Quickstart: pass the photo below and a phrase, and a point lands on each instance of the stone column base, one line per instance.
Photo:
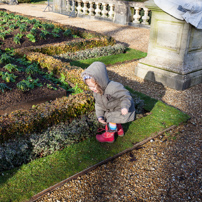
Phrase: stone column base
(168, 78)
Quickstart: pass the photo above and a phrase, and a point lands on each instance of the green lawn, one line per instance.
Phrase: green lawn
(22, 183)
(131, 54)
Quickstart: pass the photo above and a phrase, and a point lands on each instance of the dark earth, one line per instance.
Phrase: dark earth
(15, 99)
(8, 42)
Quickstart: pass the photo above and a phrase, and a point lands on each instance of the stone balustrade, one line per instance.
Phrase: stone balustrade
(121, 12)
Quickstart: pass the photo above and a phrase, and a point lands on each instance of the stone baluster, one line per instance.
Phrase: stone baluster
(79, 8)
(68, 7)
(85, 8)
(145, 18)
(104, 11)
(97, 10)
(111, 12)
(91, 9)
(137, 16)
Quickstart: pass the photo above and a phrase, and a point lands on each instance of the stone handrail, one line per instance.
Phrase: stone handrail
(121, 12)
(10, 2)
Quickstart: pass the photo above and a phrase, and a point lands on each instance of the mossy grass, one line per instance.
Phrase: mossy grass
(130, 54)
(22, 183)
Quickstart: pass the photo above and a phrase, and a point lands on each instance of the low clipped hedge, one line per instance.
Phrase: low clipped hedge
(22, 150)
(92, 53)
(72, 46)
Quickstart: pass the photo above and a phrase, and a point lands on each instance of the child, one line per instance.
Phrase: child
(113, 103)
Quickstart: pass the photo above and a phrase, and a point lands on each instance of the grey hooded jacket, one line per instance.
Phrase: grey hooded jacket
(114, 98)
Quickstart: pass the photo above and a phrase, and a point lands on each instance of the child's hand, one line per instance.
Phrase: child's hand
(101, 120)
(124, 111)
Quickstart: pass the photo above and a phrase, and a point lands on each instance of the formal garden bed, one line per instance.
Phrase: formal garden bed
(61, 130)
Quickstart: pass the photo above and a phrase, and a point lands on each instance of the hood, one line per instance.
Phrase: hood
(98, 71)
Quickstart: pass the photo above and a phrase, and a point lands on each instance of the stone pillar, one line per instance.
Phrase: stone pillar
(174, 54)
(57, 6)
(121, 13)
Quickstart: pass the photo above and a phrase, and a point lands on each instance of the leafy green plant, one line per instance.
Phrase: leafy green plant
(5, 58)
(18, 23)
(12, 26)
(9, 22)
(31, 37)
(75, 90)
(28, 84)
(47, 26)
(8, 77)
(32, 69)
(42, 36)
(11, 68)
(56, 30)
(34, 21)
(23, 61)
(33, 31)
(51, 87)
(45, 32)
(37, 25)
(27, 20)
(23, 27)
(2, 22)
(18, 17)
(3, 86)
(64, 84)
(10, 51)
(17, 38)
(8, 31)
(2, 35)
(67, 32)
(2, 29)
(55, 35)
(75, 36)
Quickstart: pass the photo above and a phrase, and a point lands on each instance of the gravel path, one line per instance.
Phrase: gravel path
(169, 168)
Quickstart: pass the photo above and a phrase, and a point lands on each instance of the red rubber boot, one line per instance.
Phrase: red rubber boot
(106, 137)
(120, 131)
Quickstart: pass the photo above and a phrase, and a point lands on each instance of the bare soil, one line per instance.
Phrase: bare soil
(15, 99)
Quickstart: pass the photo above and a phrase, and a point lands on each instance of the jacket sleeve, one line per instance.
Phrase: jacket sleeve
(123, 95)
